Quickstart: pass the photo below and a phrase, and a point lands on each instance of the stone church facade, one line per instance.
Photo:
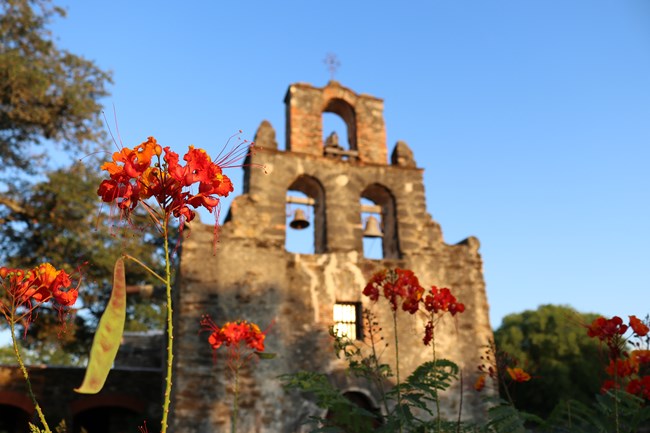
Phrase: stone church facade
(252, 276)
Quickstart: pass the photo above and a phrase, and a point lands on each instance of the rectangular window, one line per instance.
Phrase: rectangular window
(347, 320)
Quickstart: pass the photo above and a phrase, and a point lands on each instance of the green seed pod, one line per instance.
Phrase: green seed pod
(108, 336)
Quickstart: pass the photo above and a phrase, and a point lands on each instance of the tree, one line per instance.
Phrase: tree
(552, 343)
(45, 93)
(51, 96)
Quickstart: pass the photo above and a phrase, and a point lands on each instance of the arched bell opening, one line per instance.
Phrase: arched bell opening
(379, 222)
(339, 127)
(305, 216)
(373, 244)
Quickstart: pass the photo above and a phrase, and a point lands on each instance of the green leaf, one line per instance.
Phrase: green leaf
(108, 336)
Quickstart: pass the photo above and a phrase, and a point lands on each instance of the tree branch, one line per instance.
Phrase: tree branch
(13, 205)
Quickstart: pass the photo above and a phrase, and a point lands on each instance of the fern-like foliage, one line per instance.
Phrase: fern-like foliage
(618, 412)
(503, 417)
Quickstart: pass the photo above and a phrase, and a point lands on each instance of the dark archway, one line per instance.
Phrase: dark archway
(385, 201)
(13, 419)
(333, 140)
(107, 413)
(107, 419)
(346, 111)
(342, 420)
(312, 200)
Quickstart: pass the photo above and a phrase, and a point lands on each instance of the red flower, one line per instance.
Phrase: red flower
(518, 375)
(25, 291)
(134, 176)
(233, 334)
(606, 328)
(639, 328)
(640, 356)
(428, 333)
(441, 300)
(396, 285)
(640, 387)
(607, 385)
(622, 367)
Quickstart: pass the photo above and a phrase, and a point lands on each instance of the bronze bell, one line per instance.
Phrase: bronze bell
(299, 221)
(372, 229)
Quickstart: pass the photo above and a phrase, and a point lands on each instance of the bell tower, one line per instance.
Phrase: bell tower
(362, 114)
(339, 183)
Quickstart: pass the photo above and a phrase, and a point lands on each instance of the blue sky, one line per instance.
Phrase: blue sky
(530, 118)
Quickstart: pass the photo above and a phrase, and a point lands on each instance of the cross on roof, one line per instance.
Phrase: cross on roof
(332, 63)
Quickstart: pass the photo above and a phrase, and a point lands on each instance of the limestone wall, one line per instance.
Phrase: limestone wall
(253, 277)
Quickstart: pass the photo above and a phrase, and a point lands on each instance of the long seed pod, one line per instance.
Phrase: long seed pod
(108, 336)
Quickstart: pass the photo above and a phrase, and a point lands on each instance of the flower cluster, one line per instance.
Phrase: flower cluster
(396, 285)
(517, 374)
(26, 290)
(401, 285)
(439, 301)
(140, 173)
(233, 334)
(624, 368)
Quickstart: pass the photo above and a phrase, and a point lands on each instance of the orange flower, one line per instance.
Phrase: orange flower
(518, 375)
(480, 383)
(134, 176)
(232, 334)
(606, 328)
(640, 356)
(622, 367)
(25, 291)
(639, 328)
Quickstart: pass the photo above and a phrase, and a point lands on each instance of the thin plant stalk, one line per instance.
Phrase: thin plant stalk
(377, 379)
(235, 404)
(460, 405)
(399, 393)
(26, 376)
(170, 328)
(433, 355)
(616, 399)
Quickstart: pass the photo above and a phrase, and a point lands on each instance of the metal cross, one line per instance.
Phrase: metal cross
(332, 63)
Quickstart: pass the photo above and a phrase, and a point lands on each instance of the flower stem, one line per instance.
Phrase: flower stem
(235, 403)
(147, 268)
(616, 398)
(433, 355)
(399, 393)
(26, 375)
(377, 376)
(170, 328)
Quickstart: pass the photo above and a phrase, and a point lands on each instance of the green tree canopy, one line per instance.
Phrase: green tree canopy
(552, 344)
(46, 93)
(49, 96)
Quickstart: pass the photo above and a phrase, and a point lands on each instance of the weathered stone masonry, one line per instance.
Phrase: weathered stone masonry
(251, 276)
